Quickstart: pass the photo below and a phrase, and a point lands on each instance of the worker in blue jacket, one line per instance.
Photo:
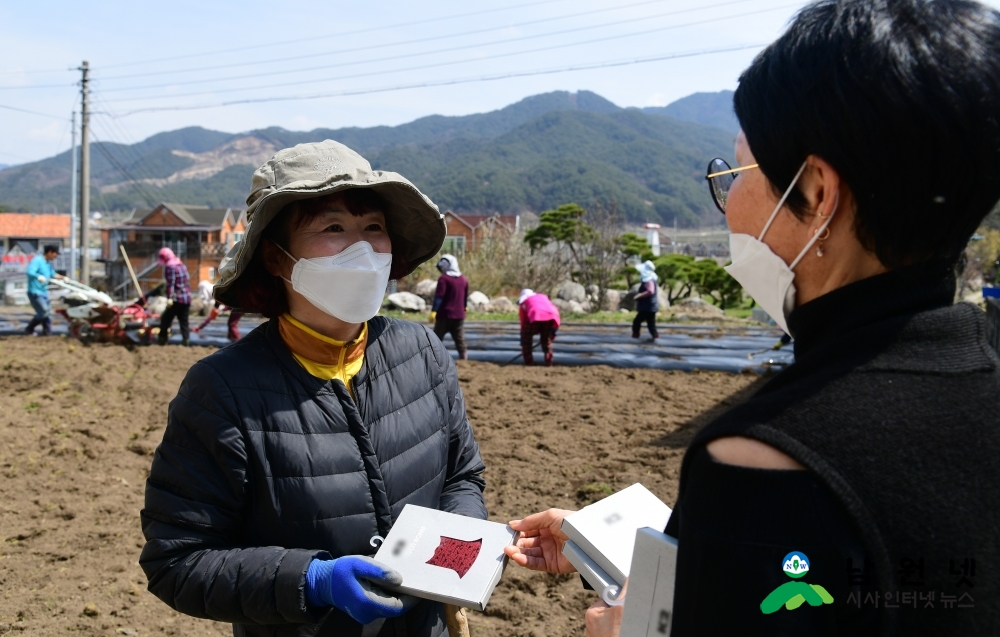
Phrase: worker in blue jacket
(40, 270)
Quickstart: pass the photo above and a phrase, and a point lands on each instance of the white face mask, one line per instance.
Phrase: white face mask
(348, 286)
(763, 274)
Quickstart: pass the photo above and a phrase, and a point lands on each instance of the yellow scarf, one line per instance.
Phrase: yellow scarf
(322, 356)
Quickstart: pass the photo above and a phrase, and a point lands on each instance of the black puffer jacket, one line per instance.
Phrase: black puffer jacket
(263, 468)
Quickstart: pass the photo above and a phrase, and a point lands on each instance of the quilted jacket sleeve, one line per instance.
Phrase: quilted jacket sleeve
(191, 519)
(464, 484)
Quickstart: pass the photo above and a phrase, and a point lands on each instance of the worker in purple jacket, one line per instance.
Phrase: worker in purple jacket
(448, 310)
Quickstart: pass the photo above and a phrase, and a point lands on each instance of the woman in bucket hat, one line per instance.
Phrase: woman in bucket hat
(288, 454)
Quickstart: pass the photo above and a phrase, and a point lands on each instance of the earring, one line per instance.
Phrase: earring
(819, 242)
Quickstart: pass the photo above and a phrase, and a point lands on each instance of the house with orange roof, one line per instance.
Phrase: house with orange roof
(466, 232)
(200, 236)
(23, 234)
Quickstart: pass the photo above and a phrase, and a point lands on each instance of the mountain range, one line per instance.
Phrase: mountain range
(533, 155)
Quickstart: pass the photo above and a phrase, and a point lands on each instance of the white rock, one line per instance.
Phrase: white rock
(697, 308)
(576, 308)
(570, 291)
(407, 301)
(479, 302)
(612, 300)
(561, 304)
(503, 304)
(425, 289)
(662, 298)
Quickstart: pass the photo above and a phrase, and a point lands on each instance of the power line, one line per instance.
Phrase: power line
(488, 78)
(24, 110)
(413, 41)
(36, 71)
(452, 62)
(335, 35)
(382, 46)
(21, 157)
(36, 86)
(118, 134)
(125, 149)
(124, 172)
(422, 53)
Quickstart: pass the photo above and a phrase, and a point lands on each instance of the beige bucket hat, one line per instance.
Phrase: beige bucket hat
(416, 226)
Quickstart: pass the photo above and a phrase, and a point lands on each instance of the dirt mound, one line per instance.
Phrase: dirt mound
(78, 426)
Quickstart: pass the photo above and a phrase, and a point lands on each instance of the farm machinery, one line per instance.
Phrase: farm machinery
(93, 316)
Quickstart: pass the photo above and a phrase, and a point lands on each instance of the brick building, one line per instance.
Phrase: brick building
(198, 235)
(465, 232)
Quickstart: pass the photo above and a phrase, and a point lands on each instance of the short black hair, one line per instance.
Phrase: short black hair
(50, 248)
(902, 98)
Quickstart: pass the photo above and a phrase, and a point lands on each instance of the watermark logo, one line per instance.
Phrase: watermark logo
(793, 594)
(795, 564)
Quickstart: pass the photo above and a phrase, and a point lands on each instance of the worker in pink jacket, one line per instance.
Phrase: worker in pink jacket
(538, 316)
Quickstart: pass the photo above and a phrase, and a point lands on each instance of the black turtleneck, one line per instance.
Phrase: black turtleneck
(893, 407)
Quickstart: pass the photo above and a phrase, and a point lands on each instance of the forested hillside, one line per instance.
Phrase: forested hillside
(533, 155)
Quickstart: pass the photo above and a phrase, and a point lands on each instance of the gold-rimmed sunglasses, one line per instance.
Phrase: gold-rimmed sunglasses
(720, 178)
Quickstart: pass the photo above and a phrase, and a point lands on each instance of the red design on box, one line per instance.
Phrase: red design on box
(458, 555)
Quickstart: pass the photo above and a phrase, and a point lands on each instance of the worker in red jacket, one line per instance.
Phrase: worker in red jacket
(538, 316)
(233, 323)
(450, 299)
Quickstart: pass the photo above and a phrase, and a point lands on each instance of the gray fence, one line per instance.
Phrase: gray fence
(993, 323)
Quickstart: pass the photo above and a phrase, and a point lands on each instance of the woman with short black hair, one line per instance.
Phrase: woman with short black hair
(857, 492)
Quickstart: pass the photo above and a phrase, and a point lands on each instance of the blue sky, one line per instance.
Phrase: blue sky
(300, 48)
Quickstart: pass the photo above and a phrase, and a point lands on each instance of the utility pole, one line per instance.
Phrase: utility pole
(85, 174)
(72, 205)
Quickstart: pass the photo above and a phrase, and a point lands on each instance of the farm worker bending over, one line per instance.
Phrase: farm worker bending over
(647, 302)
(232, 324)
(206, 289)
(448, 310)
(538, 316)
(178, 296)
(40, 270)
(290, 452)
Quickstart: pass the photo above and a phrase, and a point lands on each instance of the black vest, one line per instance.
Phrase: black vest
(894, 403)
(649, 303)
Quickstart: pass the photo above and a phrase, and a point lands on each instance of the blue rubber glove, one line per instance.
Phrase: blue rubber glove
(349, 583)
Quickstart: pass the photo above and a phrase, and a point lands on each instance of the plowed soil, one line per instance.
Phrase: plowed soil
(78, 426)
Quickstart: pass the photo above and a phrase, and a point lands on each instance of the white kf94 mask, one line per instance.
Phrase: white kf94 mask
(348, 286)
(763, 274)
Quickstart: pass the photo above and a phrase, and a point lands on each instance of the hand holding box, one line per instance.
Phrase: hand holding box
(446, 557)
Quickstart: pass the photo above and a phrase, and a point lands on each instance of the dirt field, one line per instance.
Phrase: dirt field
(78, 426)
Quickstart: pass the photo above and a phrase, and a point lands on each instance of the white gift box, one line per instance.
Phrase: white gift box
(446, 557)
(605, 531)
(649, 600)
(598, 579)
